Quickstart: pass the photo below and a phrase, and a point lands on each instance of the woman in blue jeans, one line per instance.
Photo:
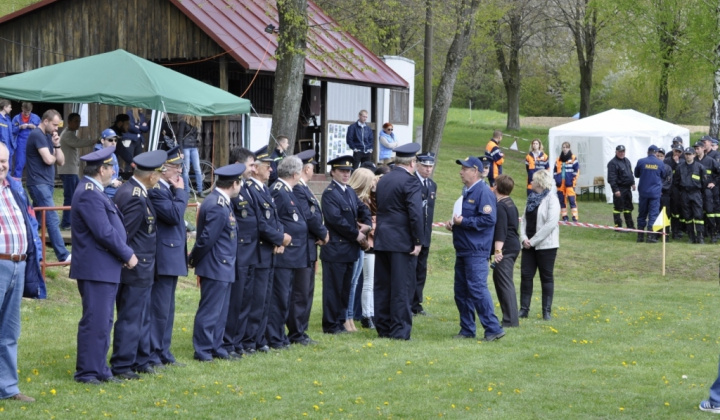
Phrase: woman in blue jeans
(189, 129)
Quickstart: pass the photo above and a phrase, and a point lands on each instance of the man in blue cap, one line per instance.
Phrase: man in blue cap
(213, 258)
(99, 242)
(131, 338)
(169, 199)
(425, 165)
(348, 221)
(272, 239)
(303, 286)
(398, 240)
(473, 232)
(650, 171)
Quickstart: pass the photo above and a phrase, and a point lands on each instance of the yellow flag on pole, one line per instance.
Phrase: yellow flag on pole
(661, 222)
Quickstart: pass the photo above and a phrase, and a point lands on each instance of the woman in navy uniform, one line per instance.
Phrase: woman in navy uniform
(303, 286)
(131, 338)
(213, 258)
(99, 245)
(398, 241)
(348, 221)
(169, 199)
(295, 255)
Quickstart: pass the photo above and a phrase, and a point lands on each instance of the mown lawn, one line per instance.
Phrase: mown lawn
(623, 342)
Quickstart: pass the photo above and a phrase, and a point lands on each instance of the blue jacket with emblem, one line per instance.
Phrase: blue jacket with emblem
(473, 237)
(99, 241)
(140, 227)
(292, 218)
(21, 134)
(169, 204)
(215, 250)
(270, 230)
(342, 212)
(313, 216)
(651, 172)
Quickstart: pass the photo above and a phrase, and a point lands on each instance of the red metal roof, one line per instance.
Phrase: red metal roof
(238, 26)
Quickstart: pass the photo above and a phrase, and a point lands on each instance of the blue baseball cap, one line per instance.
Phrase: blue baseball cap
(471, 162)
(108, 133)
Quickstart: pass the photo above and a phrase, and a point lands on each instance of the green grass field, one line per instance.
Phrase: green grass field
(623, 342)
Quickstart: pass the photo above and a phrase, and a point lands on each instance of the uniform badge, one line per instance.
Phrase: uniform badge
(267, 214)
(243, 213)
(295, 217)
(471, 201)
(312, 209)
(432, 195)
(221, 201)
(278, 186)
(89, 186)
(487, 209)
(136, 192)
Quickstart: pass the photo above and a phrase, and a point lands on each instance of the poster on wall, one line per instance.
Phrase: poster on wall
(336, 145)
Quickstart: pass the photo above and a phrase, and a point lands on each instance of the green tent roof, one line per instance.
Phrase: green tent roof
(123, 79)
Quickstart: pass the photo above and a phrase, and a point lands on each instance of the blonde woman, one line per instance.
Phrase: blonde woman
(363, 181)
(189, 130)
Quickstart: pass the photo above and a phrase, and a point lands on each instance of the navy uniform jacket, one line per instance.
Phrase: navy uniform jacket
(429, 194)
(690, 177)
(400, 221)
(650, 170)
(215, 250)
(270, 229)
(342, 212)
(247, 227)
(170, 204)
(141, 230)
(313, 216)
(474, 236)
(98, 236)
(294, 224)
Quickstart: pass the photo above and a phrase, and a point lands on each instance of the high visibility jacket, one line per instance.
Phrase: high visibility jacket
(498, 158)
(534, 163)
(570, 170)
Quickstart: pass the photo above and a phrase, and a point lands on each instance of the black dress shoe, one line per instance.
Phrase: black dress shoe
(420, 312)
(249, 352)
(461, 336)
(368, 322)
(92, 381)
(147, 370)
(174, 364)
(112, 379)
(264, 349)
(281, 347)
(130, 376)
(204, 360)
(493, 337)
(306, 342)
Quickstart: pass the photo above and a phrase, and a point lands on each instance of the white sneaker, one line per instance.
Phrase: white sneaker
(67, 260)
(707, 406)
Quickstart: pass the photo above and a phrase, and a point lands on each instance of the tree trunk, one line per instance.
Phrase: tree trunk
(290, 71)
(510, 67)
(513, 100)
(715, 112)
(427, 103)
(663, 93)
(443, 97)
(585, 89)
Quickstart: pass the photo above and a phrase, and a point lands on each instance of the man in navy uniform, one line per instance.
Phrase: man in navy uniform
(651, 171)
(424, 169)
(99, 243)
(213, 257)
(348, 221)
(272, 239)
(473, 232)
(295, 254)
(303, 285)
(398, 241)
(247, 258)
(131, 338)
(169, 199)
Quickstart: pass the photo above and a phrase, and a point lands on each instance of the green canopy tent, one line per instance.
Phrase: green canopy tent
(123, 79)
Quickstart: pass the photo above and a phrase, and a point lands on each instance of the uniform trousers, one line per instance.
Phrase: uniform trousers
(505, 289)
(238, 309)
(259, 309)
(12, 282)
(210, 319)
(131, 339)
(421, 276)
(337, 277)
(279, 307)
(648, 212)
(691, 204)
(301, 300)
(393, 293)
(472, 295)
(162, 319)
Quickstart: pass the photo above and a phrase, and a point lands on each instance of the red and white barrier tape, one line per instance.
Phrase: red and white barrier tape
(585, 225)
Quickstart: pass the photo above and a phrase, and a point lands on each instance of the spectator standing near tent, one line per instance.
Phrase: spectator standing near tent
(22, 124)
(492, 149)
(622, 183)
(535, 160)
(566, 173)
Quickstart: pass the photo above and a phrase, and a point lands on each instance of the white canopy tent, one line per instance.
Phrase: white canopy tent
(593, 141)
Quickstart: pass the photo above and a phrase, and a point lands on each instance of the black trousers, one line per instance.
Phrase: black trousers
(534, 260)
(279, 307)
(420, 276)
(254, 336)
(393, 292)
(623, 204)
(131, 338)
(691, 204)
(505, 289)
(337, 279)
(361, 157)
(238, 308)
(301, 300)
(162, 318)
(93, 336)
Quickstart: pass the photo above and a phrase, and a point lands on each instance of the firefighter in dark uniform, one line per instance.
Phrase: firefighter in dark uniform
(100, 248)
(303, 286)
(666, 187)
(247, 257)
(169, 199)
(689, 178)
(425, 164)
(294, 256)
(712, 175)
(677, 141)
(651, 171)
(272, 239)
(213, 258)
(621, 180)
(348, 220)
(131, 338)
(677, 223)
(278, 154)
(398, 241)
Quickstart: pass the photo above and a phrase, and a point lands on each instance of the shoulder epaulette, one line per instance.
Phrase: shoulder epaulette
(157, 186)
(89, 186)
(136, 192)
(221, 201)
(278, 186)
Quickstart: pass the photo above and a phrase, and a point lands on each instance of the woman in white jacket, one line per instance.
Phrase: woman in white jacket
(540, 238)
